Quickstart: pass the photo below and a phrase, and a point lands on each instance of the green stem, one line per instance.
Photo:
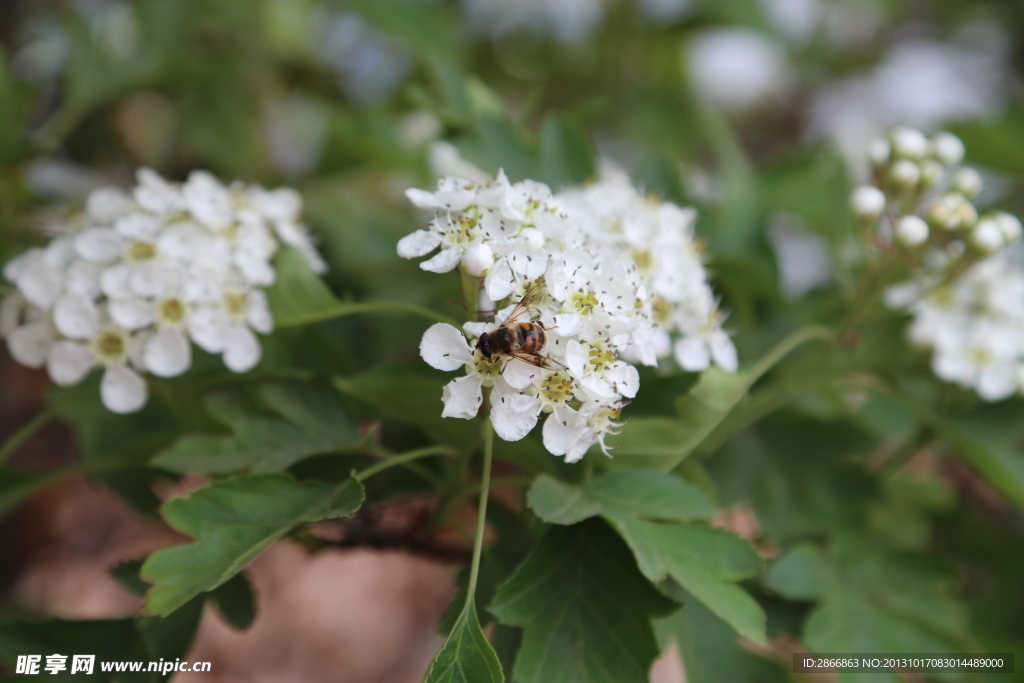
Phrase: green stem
(784, 347)
(471, 293)
(401, 459)
(342, 310)
(481, 520)
(26, 432)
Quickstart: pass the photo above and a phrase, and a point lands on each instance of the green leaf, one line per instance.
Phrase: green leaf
(584, 607)
(704, 560)
(466, 656)
(670, 440)
(620, 494)
(299, 295)
(236, 602)
(233, 521)
(991, 442)
(565, 153)
(309, 419)
(709, 648)
(872, 600)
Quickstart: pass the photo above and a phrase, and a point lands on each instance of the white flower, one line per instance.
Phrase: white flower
(133, 282)
(974, 326)
(610, 275)
(122, 389)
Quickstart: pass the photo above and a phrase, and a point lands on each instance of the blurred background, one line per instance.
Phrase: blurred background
(756, 111)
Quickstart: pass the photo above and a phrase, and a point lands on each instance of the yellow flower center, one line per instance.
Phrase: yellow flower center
(172, 310)
(556, 388)
(236, 304)
(138, 250)
(111, 346)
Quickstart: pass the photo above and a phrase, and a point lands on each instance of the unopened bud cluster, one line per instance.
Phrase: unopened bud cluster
(920, 196)
(966, 299)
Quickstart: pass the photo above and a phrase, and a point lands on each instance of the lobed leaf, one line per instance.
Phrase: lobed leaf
(309, 419)
(584, 607)
(232, 522)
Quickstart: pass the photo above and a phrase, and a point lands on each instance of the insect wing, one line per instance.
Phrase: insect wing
(522, 307)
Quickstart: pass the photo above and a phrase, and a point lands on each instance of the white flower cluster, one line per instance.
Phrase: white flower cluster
(973, 325)
(966, 300)
(132, 281)
(921, 196)
(607, 273)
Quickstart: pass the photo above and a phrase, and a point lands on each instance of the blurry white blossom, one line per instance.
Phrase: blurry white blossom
(736, 68)
(921, 83)
(965, 298)
(134, 280)
(974, 326)
(614, 278)
(370, 64)
(564, 20)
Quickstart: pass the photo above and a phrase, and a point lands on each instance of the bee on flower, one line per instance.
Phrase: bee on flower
(592, 280)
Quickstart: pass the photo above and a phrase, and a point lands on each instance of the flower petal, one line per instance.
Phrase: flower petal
(419, 243)
(575, 358)
(242, 351)
(138, 226)
(692, 354)
(107, 204)
(39, 283)
(422, 199)
(560, 430)
(462, 397)
(443, 347)
(444, 261)
(116, 281)
(83, 277)
(208, 327)
(30, 344)
(182, 241)
(122, 390)
(723, 351)
(76, 317)
(520, 374)
(514, 415)
(168, 353)
(499, 281)
(68, 362)
(131, 313)
(257, 312)
(100, 245)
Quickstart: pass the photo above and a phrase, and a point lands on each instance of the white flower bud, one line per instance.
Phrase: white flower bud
(909, 143)
(1010, 225)
(931, 173)
(534, 237)
(880, 151)
(948, 149)
(987, 236)
(477, 259)
(867, 202)
(952, 211)
(911, 231)
(905, 174)
(968, 182)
